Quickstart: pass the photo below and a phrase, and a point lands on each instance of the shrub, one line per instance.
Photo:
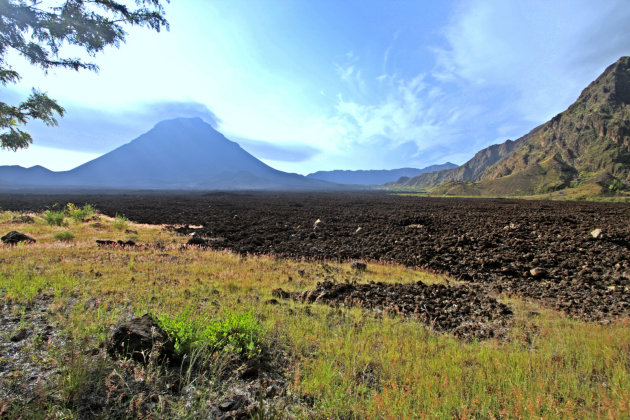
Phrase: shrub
(55, 218)
(80, 214)
(616, 185)
(239, 333)
(64, 236)
(120, 222)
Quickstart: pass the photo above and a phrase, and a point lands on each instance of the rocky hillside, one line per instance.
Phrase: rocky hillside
(586, 145)
(469, 171)
(375, 177)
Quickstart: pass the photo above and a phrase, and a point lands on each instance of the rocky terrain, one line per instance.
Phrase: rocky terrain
(589, 143)
(572, 256)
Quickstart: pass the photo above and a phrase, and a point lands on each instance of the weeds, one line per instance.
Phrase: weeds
(80, 214)
(238, 333)
(55, 218)
(119, 222)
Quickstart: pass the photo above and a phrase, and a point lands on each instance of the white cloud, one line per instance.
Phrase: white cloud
(542, 53)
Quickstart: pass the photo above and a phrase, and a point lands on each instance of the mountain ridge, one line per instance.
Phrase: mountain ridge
(374, 176)
(587, 144)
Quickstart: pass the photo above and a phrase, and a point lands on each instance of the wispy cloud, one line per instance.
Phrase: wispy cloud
(98, 131)
(503, 68)
(540, 53)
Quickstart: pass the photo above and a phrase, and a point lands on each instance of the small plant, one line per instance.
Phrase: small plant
(616, 185)
(80, 214)
(120, 222)
(239, 333)
(55, 218)
(65, 236)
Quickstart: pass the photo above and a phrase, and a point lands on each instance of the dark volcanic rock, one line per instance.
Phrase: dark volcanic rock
(462, 310)
(197, 241)
(15, 237)
(358, 265)
(465, 239)
(140, 337)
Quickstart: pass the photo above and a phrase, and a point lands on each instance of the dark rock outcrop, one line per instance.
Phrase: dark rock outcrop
(140, 339)
(15, 237)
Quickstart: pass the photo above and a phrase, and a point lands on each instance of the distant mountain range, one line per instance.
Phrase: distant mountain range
(374, 177)
(585, 148)
(183, 153)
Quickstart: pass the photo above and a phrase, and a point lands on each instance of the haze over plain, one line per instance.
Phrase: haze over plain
(320, 86)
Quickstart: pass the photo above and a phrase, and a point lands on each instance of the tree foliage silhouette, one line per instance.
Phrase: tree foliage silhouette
(40, 30)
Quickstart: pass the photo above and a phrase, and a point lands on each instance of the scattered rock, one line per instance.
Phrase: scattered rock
(415, 226)
(596, 233)
(20, 335)
(318, 224)
(279, 293)
(271, 302)
(538, 272)
(197, 240)
(359, 229)
(105, 242)
(140, 337)
(463, 310)
(131, 232)
(23, 218)
(358, 265)
(128, 243)
(15, 237)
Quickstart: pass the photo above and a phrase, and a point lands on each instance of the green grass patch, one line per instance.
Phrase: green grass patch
(55, 218)
(64, 236)
(80, 214)
(120, 222)
(239, 333)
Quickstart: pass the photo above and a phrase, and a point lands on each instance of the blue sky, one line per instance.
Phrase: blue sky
(319, 85)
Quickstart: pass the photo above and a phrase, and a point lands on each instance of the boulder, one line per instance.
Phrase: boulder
(197, 240)
(596, 233)
(318, 224)
(139, 338)
(538, 272)
(15, 237)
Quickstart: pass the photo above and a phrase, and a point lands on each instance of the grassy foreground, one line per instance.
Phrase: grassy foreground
(339, 363)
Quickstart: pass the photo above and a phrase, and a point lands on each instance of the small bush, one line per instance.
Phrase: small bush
(65, 236)
(616, 185)
(120, 222)
(55, 218)
(239, 333)
(80, 214)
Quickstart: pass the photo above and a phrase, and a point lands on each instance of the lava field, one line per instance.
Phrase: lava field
(572, 256)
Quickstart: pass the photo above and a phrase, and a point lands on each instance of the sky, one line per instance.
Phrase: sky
(321, 85)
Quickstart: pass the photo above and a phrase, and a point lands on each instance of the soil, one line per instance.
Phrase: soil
(542, 250)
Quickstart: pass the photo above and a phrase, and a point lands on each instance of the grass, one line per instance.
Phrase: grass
(350, 363)
(80, 214)
(64, 236)
(120, 222)
(55, 218)
(239, 333)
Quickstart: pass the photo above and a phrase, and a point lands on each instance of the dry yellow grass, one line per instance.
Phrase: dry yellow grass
(351, 363)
